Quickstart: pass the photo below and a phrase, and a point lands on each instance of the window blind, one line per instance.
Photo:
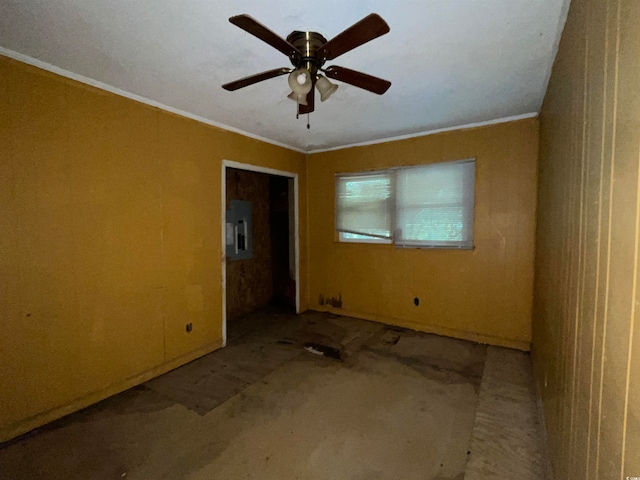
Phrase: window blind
(363, 205)
(434, 205)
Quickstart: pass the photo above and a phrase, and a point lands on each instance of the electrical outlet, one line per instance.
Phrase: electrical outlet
(189, 327)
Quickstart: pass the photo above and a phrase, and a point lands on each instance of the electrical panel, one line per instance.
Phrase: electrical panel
(239, 245)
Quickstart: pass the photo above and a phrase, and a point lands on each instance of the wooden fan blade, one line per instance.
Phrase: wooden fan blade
(310, 106)
(259, 77)
(370, 27)
(255, 28)
(358, 79)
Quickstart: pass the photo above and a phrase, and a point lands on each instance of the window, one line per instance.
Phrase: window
(434, 205)
(364, 207)
(423, 206)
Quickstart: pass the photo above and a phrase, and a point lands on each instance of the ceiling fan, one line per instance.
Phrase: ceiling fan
(308, 52)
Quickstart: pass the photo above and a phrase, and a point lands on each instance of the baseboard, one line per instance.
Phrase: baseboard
(21, 427)
(438, 330)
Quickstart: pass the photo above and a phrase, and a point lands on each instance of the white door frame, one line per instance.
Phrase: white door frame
(254, 168)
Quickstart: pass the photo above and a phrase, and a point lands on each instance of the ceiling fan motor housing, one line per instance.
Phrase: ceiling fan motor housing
(308, 44)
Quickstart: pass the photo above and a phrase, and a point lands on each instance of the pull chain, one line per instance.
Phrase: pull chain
(298, 116)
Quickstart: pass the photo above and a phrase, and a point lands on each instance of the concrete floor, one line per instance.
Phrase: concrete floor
(314, 396)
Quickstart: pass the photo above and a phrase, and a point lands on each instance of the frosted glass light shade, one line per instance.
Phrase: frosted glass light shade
(300, 81)
(325, 87)
(301, 99)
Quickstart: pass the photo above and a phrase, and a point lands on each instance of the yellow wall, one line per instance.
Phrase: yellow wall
(484, 294)
(586, 340)
(110, 241)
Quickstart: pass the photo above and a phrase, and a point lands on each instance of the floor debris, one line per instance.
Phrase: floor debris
(323, 350)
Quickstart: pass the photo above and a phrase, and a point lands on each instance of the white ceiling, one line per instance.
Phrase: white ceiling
(451, 62)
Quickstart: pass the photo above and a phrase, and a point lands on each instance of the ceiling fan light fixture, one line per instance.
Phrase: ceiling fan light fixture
(300, 81)
(301, 99)
(325, 87)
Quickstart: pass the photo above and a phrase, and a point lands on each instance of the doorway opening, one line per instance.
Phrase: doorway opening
(260, 262)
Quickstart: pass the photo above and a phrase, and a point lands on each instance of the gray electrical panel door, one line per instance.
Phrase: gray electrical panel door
(239, 244)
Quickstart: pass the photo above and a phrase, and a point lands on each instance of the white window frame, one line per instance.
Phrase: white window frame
(342, 238)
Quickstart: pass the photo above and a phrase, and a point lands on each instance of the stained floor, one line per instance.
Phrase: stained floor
(314, 396)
